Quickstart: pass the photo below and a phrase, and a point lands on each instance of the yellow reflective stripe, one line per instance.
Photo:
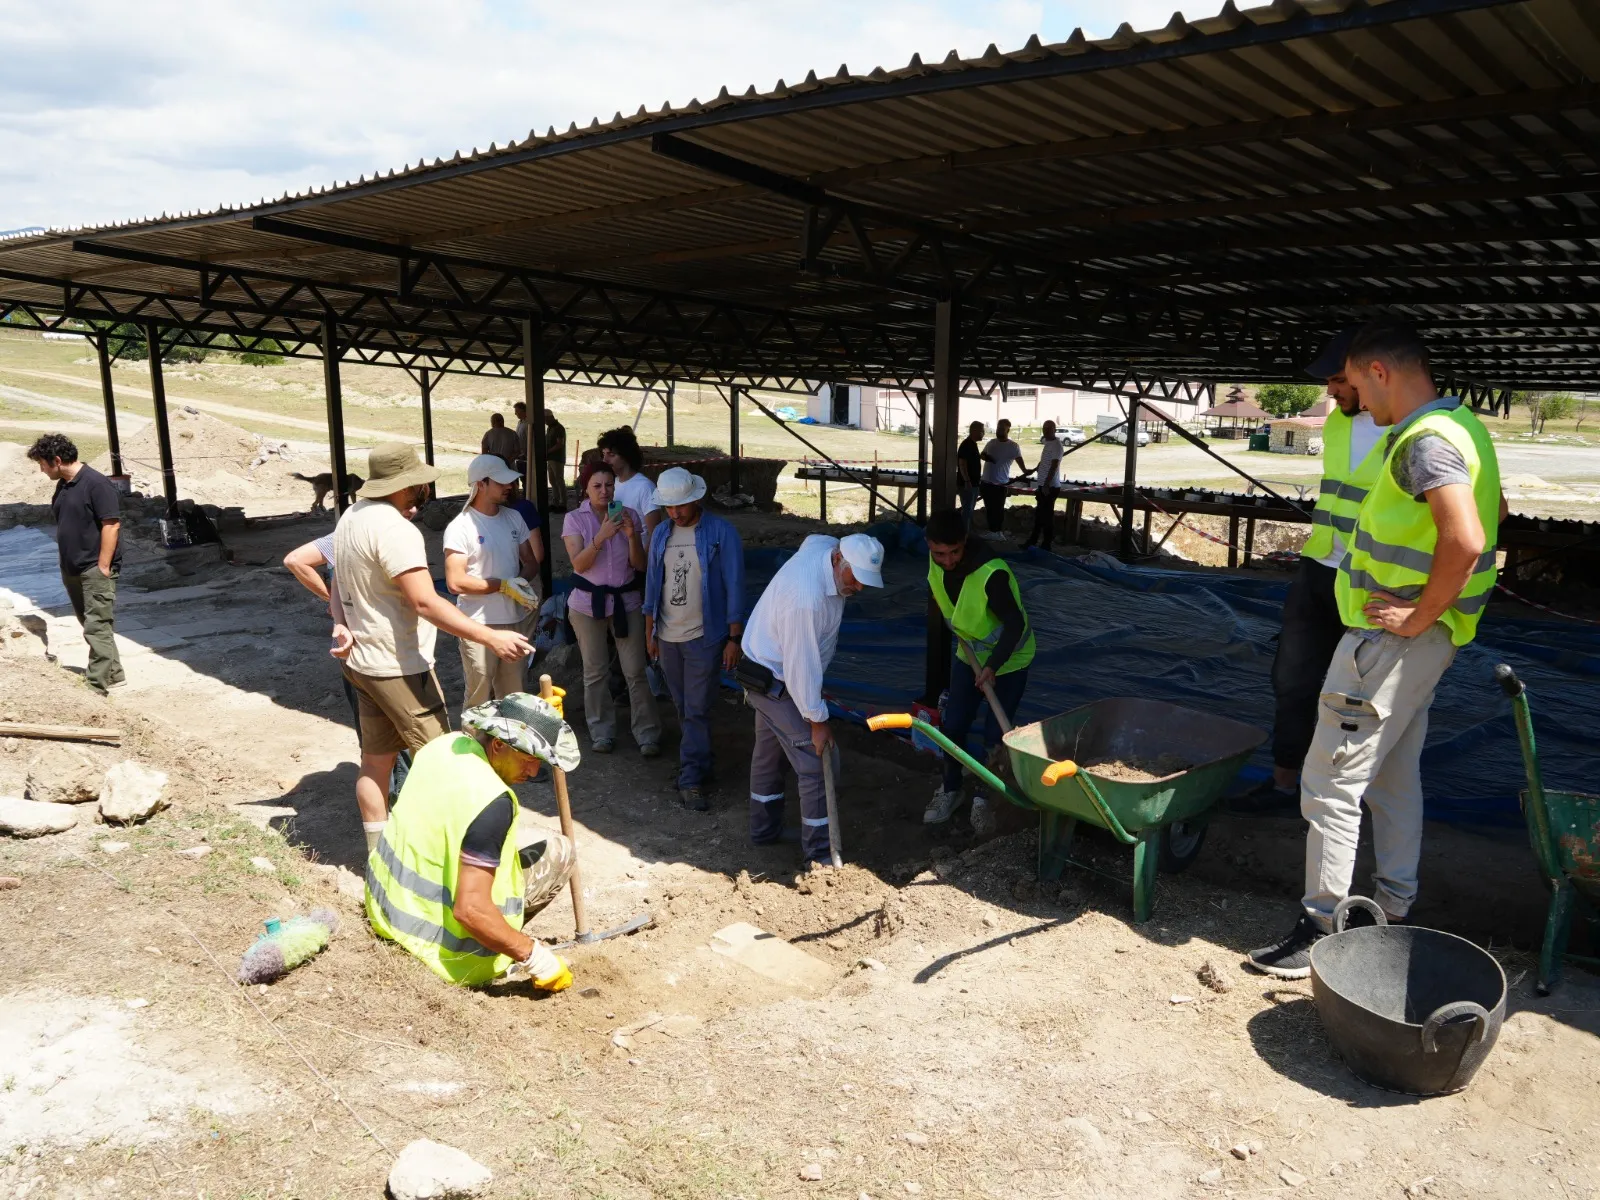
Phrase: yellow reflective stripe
(428, 890)
(416, 927)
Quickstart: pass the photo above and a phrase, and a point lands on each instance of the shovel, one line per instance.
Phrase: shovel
(580, 919)
(988, 689)
(835, 841)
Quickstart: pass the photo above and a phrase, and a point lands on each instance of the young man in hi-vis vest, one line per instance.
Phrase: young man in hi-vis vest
(1415, 579)
(1312, 627)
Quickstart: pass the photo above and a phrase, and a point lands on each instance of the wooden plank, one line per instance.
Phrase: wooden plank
(1249, 538)
(61, 733)
(1233, 540)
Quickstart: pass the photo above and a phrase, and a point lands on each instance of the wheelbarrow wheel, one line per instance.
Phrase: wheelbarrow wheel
(1180, 845)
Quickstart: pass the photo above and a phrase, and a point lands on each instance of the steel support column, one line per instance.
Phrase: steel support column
(922, 458)
(1130, 470)
(734, 391)
(672, 389)
(425, 383)
(535, 449)
(946, 437)
(114, 442)
(335, 400)
(158, 400)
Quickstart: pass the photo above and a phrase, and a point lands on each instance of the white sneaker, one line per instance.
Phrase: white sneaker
(984, 823)
(942, 807)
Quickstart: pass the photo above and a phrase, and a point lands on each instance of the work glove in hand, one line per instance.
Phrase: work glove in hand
(521, 591)
(548, 973)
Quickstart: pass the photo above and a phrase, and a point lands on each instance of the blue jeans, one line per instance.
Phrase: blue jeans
(693, 672)
(969, 502)
(966, 702)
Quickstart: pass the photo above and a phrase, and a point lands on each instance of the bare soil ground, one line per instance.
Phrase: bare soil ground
(1020, 1040)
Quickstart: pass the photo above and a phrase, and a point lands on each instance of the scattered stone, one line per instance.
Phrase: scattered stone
(889, 920)
(771, 957)
(940, 853)
(1179, 999)
(1211, 1177)
(430, 1171)
(811, 1172)
(870, 964)
(1292, 1177)
(9, 883)
(589, 993)
(349, 884)
(1142, 1117)
(197, 852)
(131, 793)
(112, 847)
(30, 818)
(264, 865)
(1255, 1147)
(988, 921)
(913, 1187)
(915, 1138)
(64, 774)
(1025, 889)
(1241, 1152)
(141, 1002)
(1213, 978)
(1086, 1130)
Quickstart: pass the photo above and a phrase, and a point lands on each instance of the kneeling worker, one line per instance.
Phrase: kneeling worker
(449, 879)
(980, 600)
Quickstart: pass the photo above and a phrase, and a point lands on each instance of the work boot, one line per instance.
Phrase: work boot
(942, 807)
(1290, 958)
(693, 798)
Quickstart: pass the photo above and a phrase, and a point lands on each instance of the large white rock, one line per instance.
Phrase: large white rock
(63, 774)
(131, 793)
(30, 818)
(429, 1171)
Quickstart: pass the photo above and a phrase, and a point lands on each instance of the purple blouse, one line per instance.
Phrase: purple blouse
(610, 567)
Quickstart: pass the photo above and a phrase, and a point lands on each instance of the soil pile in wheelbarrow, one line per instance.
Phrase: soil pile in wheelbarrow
(1137, 768)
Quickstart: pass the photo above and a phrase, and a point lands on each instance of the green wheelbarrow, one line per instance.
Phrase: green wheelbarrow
(1564, 829)
(1163, 819)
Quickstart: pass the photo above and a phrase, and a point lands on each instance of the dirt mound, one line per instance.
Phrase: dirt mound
(21, 481)
(218, 463)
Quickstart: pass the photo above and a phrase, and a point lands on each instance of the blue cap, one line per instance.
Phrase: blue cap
(1331, 361)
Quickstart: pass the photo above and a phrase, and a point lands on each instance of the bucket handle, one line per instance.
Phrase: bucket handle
(1448, 1012)
(1349, 902)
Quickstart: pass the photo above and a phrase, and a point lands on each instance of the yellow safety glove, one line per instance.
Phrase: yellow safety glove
(547, 972)
(521, 591)
(557, 698)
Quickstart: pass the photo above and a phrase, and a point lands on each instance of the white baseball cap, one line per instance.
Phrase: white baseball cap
(490, 466)
(865, 556)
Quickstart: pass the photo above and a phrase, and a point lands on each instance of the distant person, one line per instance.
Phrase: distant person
(385, 594)
(997, 458)
(789, 641)
(693, 616)
(500, 441)
(555, 457)
(969, 470)
(488, 553)
(1047, 486)
(88, 516)
(608, 562)
(620, 449)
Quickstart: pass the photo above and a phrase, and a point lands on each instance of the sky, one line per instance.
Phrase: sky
(116, 111)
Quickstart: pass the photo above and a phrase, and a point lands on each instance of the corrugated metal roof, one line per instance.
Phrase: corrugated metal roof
(1208, 200)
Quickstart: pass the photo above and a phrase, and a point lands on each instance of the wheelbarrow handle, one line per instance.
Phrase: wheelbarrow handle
(1508, 681)
(889, 721)
(907, 721)
(1067, 769)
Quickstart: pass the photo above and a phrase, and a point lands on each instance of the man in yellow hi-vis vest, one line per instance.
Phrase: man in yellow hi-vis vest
(1416, 577)
(1312, 627)
(451, 880)
(980, 600)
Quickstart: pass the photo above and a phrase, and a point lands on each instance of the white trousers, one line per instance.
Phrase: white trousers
(1371, 724)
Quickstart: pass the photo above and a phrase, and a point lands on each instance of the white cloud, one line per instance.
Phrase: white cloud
(117, 111)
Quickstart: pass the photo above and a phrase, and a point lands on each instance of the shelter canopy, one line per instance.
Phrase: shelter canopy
(1210, 200)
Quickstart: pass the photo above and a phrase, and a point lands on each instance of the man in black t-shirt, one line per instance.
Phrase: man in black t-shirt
(969, 466)
(88, 515)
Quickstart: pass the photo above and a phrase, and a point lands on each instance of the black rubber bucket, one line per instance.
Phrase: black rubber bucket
(1410, 1010)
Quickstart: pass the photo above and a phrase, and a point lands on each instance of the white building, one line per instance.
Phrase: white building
(1024, 405)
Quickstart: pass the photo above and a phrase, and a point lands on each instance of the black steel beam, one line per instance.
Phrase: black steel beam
(158, 401)
(333, 396)
(108, 396)
(537, 448)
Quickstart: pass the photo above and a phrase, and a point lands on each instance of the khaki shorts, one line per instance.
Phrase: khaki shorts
(405, 712)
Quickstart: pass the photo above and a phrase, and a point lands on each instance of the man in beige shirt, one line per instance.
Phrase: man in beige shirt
(385, 615)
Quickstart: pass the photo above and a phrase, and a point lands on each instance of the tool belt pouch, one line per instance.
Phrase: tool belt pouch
(753, 677)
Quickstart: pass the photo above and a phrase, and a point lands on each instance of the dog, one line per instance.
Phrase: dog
(323, 483)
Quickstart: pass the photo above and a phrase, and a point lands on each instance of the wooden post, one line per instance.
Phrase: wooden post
(1145, 536)
(1074, 521)
(1233, 540)
(822, 493)
(1249, 538)
(564, 809)
(872, 492)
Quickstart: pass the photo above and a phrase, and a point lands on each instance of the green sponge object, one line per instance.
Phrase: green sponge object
(286, 945)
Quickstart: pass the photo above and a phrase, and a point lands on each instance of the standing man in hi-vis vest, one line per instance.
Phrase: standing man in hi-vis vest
(978, 595)
(1417, 576)
(451, 879)
(1312, 626)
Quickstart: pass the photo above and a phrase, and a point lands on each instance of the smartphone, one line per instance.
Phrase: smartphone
(614, 511)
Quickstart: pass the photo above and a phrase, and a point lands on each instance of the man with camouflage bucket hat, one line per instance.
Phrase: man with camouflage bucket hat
(452, 879)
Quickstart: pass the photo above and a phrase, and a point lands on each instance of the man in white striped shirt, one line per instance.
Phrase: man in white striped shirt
(792, 632)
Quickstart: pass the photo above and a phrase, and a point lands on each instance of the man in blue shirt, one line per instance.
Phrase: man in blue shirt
(693, 616)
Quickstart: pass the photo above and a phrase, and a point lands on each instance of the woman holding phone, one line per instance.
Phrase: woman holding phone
(602, 538)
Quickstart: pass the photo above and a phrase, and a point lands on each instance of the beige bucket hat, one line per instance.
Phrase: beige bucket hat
(393, 467)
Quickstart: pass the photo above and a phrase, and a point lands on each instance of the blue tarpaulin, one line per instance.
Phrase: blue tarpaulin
(1206, 640)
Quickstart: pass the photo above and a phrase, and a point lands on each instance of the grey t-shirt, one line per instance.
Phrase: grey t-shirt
(1425, 462)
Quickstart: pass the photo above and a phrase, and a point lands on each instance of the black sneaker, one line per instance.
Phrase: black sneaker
(1290, 958)
(1265, 799)
(693, 798)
